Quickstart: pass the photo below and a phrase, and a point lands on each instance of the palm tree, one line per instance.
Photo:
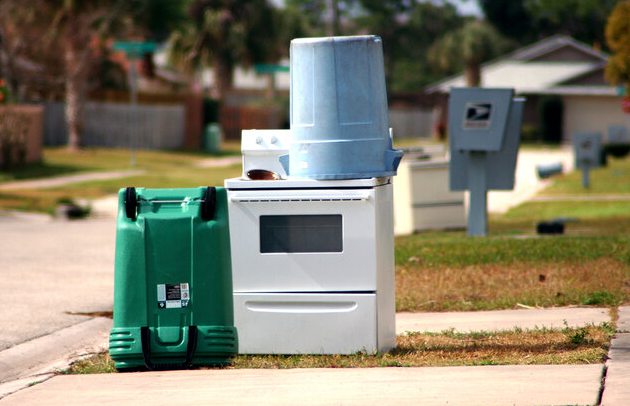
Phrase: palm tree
(75, 24)
(69, 32)
(467, 48)
(223, 34)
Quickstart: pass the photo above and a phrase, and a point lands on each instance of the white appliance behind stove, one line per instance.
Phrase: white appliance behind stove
(312, 260)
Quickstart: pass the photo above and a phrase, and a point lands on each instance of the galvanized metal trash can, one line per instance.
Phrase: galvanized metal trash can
(173, 303)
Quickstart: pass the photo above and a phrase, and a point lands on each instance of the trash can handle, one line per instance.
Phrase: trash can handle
(145, 337)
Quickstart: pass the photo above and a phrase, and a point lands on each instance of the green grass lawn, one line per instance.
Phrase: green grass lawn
(613, 179)
(435, 271)
(588, 265)
(164, 169)
(454, 272)
(58, 161)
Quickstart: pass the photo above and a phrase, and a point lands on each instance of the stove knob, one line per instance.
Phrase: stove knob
(259, 140)
(274, 139)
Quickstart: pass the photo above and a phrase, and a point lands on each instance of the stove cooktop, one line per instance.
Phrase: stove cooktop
(302, 183)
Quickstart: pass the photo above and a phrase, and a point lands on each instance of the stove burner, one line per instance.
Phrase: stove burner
(262, 174)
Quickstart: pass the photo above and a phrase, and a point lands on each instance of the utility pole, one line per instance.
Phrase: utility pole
(332, 18)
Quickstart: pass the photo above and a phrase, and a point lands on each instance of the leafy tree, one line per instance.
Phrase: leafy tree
(325, 17)
(64, 38)
(407, 27)
(427, 21)
(618, 38)
(582, 19)
(67, 28)
(381, 18)
(476, 42)
(510, 17)
(226, 33)
(530, 20)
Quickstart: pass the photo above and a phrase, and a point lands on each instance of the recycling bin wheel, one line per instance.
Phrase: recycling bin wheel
(131, 202)
(209, 204)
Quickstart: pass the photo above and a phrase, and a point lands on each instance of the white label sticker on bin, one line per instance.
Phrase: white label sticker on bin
(173, 296)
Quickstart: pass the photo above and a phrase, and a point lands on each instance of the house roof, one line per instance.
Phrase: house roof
(553, 65)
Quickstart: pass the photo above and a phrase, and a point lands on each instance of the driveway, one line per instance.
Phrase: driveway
(527, 183)
(50, 268)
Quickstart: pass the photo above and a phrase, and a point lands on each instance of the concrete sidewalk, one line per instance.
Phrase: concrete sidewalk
(497, 320)
(488, 385)
(65, 180)
(617, 384)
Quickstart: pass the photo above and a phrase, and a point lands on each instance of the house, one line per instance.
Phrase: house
(559, 68)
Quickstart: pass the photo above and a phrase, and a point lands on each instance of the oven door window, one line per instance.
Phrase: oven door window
(301, 233)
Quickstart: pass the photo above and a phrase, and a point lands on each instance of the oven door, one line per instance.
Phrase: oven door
(293, 240)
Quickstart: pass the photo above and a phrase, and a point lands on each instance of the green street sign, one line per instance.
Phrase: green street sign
(621, 91)
(266, 68)
(135, 49)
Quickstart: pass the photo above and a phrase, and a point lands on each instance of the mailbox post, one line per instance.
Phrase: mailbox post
(587, 147)
(484, 136)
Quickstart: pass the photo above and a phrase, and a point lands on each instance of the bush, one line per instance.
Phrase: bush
(529, 133)
(13, 129)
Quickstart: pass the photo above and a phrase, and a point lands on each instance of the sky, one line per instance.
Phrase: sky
(465, 7)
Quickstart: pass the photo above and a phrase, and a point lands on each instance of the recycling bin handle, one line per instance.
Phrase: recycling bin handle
(145, 337)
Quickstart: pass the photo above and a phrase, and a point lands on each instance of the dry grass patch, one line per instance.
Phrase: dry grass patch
(603, 281)
(569, 346)
(586, 345)
(96, 364)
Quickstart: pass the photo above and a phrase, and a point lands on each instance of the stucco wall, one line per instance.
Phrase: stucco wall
(592, 113)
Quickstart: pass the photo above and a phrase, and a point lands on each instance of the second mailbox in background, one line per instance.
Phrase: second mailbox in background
(587, 147)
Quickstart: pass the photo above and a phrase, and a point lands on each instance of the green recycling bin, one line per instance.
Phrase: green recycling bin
(173, 303)
(212, 137)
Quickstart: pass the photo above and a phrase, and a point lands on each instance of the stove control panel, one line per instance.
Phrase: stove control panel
(262, 140)
(261, 149)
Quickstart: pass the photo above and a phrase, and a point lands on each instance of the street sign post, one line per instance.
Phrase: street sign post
(134, 50)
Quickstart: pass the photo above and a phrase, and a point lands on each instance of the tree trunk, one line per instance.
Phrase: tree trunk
(76, 72)
(222, 77)
(74, 111)
(332, 18)
(472, 74)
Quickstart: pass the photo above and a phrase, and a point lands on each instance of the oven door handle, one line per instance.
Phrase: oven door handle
(291, 199)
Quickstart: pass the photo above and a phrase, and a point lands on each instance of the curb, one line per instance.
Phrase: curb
(617, 381)
(38, 359)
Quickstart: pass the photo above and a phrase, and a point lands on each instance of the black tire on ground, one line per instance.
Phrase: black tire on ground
(209, 204)
(131, 203)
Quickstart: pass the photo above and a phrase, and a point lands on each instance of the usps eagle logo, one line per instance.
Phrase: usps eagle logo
(477, 115)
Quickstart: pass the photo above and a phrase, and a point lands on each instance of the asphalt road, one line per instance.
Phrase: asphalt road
(49, 268)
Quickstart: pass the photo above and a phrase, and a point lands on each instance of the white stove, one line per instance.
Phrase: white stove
(312, 260)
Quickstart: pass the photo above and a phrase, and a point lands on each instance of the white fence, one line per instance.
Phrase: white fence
(416, 123)
(117, 125)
